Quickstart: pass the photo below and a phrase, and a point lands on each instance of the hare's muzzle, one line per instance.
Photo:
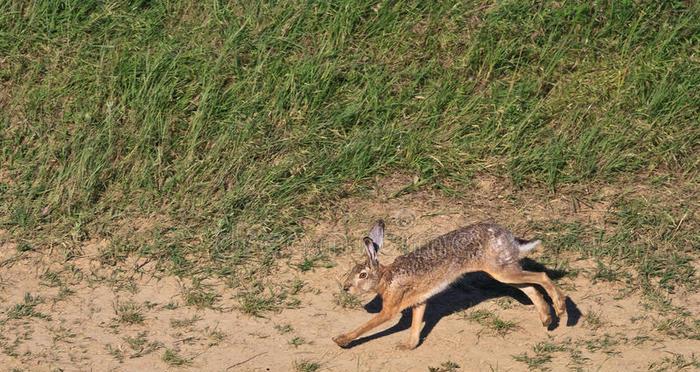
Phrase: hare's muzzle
(346, 287)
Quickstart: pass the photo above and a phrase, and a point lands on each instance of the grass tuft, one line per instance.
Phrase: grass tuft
(200, 296)
(347, 300)
(26, 309)
(129, 313)
(491, 322)
(306, 366)
(140, 345)
(448, 366)
(173, 358)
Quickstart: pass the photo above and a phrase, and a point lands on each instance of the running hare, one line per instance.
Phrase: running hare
(415, 277)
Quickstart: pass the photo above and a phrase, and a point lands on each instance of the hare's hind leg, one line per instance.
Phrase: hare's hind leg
(539, 302)
(516, 275)
(416, 325)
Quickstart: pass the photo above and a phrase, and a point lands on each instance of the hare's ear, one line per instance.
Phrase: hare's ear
(370, 247)
(377, 234)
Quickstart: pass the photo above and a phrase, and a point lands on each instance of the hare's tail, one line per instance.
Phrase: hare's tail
(525, 246)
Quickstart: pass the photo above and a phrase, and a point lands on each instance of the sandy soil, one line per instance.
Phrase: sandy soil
(609, 327)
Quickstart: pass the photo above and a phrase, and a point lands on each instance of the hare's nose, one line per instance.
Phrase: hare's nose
(346, 288)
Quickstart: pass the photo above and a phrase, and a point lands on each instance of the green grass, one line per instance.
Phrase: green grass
(27, 308)
(448, 366)
(200, 296)
(346, 300)
(115, 352)
(185, 323)
(173, 358)
(680, 327)
(297, 341)
(284, 328)
(675, 362)
(543, 355)
(538, 361)
(214, 336)
(129, 313)
(199, 135)
(491, 321)
(306, 366)
(258, 299)
(310, 262)
(140, 345)
(593, 320)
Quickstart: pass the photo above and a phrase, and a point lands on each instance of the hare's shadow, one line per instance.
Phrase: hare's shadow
(472, 289)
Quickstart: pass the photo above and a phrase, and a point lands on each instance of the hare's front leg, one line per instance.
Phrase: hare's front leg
(416, 325)
(383, 316)
(390, 307)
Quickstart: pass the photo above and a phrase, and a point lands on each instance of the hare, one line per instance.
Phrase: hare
(416, 276)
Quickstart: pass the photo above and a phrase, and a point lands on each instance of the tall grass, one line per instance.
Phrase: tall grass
(228, 121)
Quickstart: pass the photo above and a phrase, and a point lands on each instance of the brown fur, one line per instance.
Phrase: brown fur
(415, 277)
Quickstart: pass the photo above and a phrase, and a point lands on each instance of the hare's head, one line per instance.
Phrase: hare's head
(364, 277)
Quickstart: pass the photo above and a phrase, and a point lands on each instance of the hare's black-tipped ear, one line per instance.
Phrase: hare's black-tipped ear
(371, 252)
(377, 234)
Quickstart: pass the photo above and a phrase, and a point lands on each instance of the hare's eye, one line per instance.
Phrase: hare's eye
(363, 275)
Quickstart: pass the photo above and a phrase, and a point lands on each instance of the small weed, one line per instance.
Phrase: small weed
(592, 320)
(297, 341)
(27, 309)
(640, 340)
(258, 300)
(200, 297)
(214, 335)
(347, 300)
(675, 362)
(129, 313)
(50, 279)
(282, 329)
(547, 347)
(182, 323)
(491, 321)
(577, 359)
(24, 247)
(543, 355)
(171, 357)
(150, 305)
(537, 361)
(140, 345)
(170, 306)
(61, 333)
(605, 273)
(306, 366)
(256, 303)
(312, 262)
(116, 353)
(63, 293)
(296, 286)
(504, 303)
(448, 366)
(605, 344)
(680, 328)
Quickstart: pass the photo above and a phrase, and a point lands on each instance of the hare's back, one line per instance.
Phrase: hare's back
(464, 246)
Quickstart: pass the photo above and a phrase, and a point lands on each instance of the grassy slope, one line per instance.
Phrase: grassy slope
(231, 122)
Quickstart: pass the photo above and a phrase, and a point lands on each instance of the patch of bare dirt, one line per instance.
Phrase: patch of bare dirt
(77, 314)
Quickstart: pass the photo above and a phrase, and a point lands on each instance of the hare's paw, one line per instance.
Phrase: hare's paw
(342, 340)
(546, 320)
(560, 306)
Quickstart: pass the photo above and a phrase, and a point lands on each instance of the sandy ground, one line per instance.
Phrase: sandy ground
(609, 326)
